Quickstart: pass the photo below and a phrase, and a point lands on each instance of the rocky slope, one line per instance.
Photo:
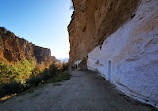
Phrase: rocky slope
(119, 39)
(13, 49)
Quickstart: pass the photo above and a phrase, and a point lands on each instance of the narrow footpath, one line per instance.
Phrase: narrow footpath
(85, 91)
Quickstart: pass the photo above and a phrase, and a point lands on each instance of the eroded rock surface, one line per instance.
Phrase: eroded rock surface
(120, 40)
(13, 49)
(94, 20)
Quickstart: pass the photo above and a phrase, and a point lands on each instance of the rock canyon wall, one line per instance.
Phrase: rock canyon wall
(13, 49)
(119, 39)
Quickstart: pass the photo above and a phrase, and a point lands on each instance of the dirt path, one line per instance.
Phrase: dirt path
(85, 91)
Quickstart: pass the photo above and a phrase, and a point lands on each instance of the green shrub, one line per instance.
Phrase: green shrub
(5, 73)
(46, 76)
(54, 69)
(65, 66)
(4, 69)
(20, 73)
(59, 77)
(24, 70)
(32, 64)
(11, 88)
(33, 81)
(15, 79)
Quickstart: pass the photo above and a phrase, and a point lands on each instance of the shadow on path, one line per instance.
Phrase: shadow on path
(85, 91)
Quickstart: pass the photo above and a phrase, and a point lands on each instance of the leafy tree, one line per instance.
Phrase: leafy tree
(4, 69)
(24, 70)
(53, 68)
(5, 73)
(32, 64)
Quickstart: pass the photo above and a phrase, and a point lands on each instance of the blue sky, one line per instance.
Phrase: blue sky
(42, 22)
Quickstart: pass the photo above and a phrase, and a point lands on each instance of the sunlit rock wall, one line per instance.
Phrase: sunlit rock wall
(93, 21)
(129, 57)
(14, 49)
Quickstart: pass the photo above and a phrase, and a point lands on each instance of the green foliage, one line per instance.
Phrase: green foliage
(11, 88)
(20, 72)
(4, 69)
(32, 63)
(25, 75)
(33, 81)
(60, 77)
(54, 69)
(5, 73)
(46, 76)
(24, 70)
(65, 66)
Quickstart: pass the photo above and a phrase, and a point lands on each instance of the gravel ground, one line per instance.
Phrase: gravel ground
(85, 91)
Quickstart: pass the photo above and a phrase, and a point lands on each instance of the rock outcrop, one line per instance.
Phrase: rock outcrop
(13, 49)
(119, 38)
(94, 20)
(55, 60)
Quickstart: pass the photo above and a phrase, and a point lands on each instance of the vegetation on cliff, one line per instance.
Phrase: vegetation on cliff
(14, 49)
(15, 79)
(19, 72)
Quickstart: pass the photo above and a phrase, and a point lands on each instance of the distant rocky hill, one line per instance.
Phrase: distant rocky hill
(54, 59)
(64, 60)
(13, 49)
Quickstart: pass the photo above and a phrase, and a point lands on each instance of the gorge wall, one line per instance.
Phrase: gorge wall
(119, 39)
(13, 49)
(93, 21)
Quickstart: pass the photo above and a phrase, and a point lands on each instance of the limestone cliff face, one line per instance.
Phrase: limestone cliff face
(119, 38)
(14, 49)
(93, 21)
(42, 55)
